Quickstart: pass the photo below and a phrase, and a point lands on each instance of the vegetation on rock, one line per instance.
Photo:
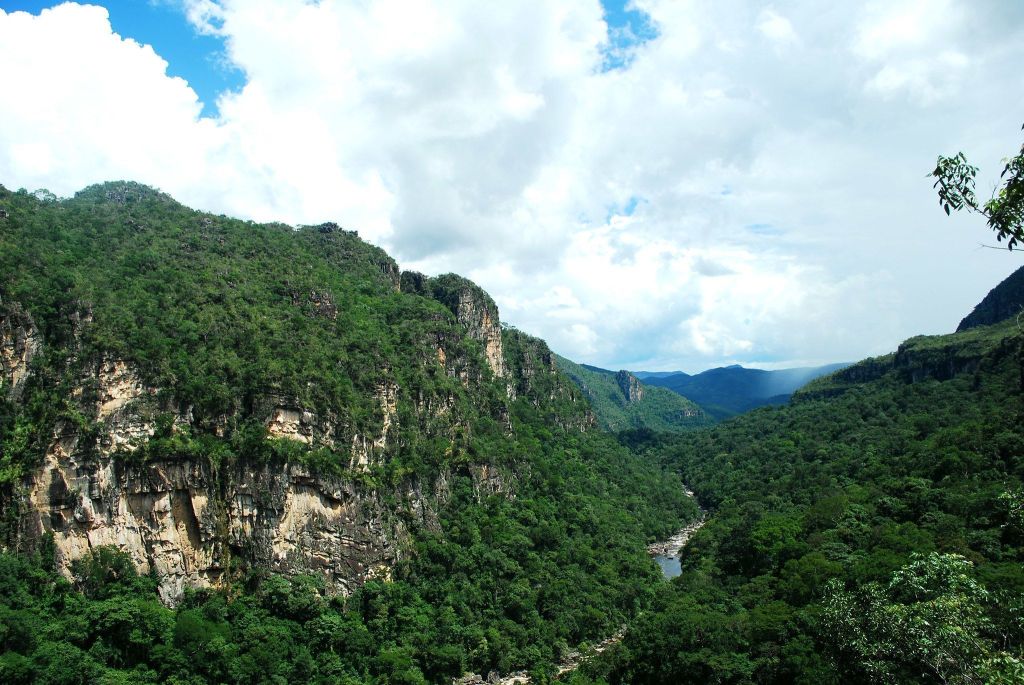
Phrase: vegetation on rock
(223, 321)
(617, 408)
(869, 531)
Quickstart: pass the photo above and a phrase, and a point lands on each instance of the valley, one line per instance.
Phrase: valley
(239, 452)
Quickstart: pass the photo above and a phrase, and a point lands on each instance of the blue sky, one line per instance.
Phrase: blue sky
(628, 27)
(200, 59)
(694, 185)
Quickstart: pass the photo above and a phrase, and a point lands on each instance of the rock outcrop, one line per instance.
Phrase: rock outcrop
(192, 523)
(472, 307)
(19, 343)
(632, 388)
(198, 491)
(195, 521)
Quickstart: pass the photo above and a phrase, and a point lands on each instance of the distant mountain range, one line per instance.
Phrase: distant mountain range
(621, 402)
(674, 400)
(731, 390)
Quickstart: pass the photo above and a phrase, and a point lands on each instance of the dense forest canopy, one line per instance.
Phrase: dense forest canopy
(868, 532)
(219, 315)
(871, 530)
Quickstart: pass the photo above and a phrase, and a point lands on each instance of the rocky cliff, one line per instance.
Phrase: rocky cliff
(631, 387)
(193, 524)
(302, 421)
(19, 343)
(472, 307)
(195, 521)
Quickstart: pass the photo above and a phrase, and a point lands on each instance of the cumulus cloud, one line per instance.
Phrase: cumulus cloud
(82, 103)
(777, 28)
(746, 186)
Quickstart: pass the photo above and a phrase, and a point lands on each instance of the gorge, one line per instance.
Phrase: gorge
(238, 452)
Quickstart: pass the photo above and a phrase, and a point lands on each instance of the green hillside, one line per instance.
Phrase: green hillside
(1004, 301)
(162, 364)
(871, 531)
(247, 453)
(622, 402)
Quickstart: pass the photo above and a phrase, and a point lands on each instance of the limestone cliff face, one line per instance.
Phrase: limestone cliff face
(481, 319)
(196, 522)
(472, 307)
(631, 387)
(288, 408)
(189, 519)
(193, 523)
(19, 343)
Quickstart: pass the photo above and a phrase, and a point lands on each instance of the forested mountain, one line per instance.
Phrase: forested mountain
(731, 390)
(870, 531)
(644, 375)
(1004, 301)
(621, 401)
(239, 452)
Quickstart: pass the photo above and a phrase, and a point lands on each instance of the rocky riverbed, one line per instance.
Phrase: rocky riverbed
(675, 544)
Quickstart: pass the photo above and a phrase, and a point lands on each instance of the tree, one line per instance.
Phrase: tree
(928, 624)
(955, 182)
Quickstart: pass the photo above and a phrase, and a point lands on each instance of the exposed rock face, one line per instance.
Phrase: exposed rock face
(366, 448)
(19, 343)
(192, 522)
(291, 423)
(473, 308)
(197, 520)
(481, 319)
(631, 387)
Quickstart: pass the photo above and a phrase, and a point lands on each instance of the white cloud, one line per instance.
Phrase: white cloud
(81, 103)
(910, 45)
(205, 15)
(777, 28)
(738, 191)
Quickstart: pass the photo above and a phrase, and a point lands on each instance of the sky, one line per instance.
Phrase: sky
(646, 184)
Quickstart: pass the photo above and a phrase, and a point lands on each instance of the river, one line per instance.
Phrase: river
(665, 553)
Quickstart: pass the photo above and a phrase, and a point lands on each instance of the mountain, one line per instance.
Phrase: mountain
(731, 390)
(643, 375)
(621, 402)
(240, 452)
(1004, 301)
(869, 531)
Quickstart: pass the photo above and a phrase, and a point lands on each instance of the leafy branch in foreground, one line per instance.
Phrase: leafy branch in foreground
(955, 182)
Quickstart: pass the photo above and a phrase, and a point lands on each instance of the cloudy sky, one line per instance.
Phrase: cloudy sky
(662, 184)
